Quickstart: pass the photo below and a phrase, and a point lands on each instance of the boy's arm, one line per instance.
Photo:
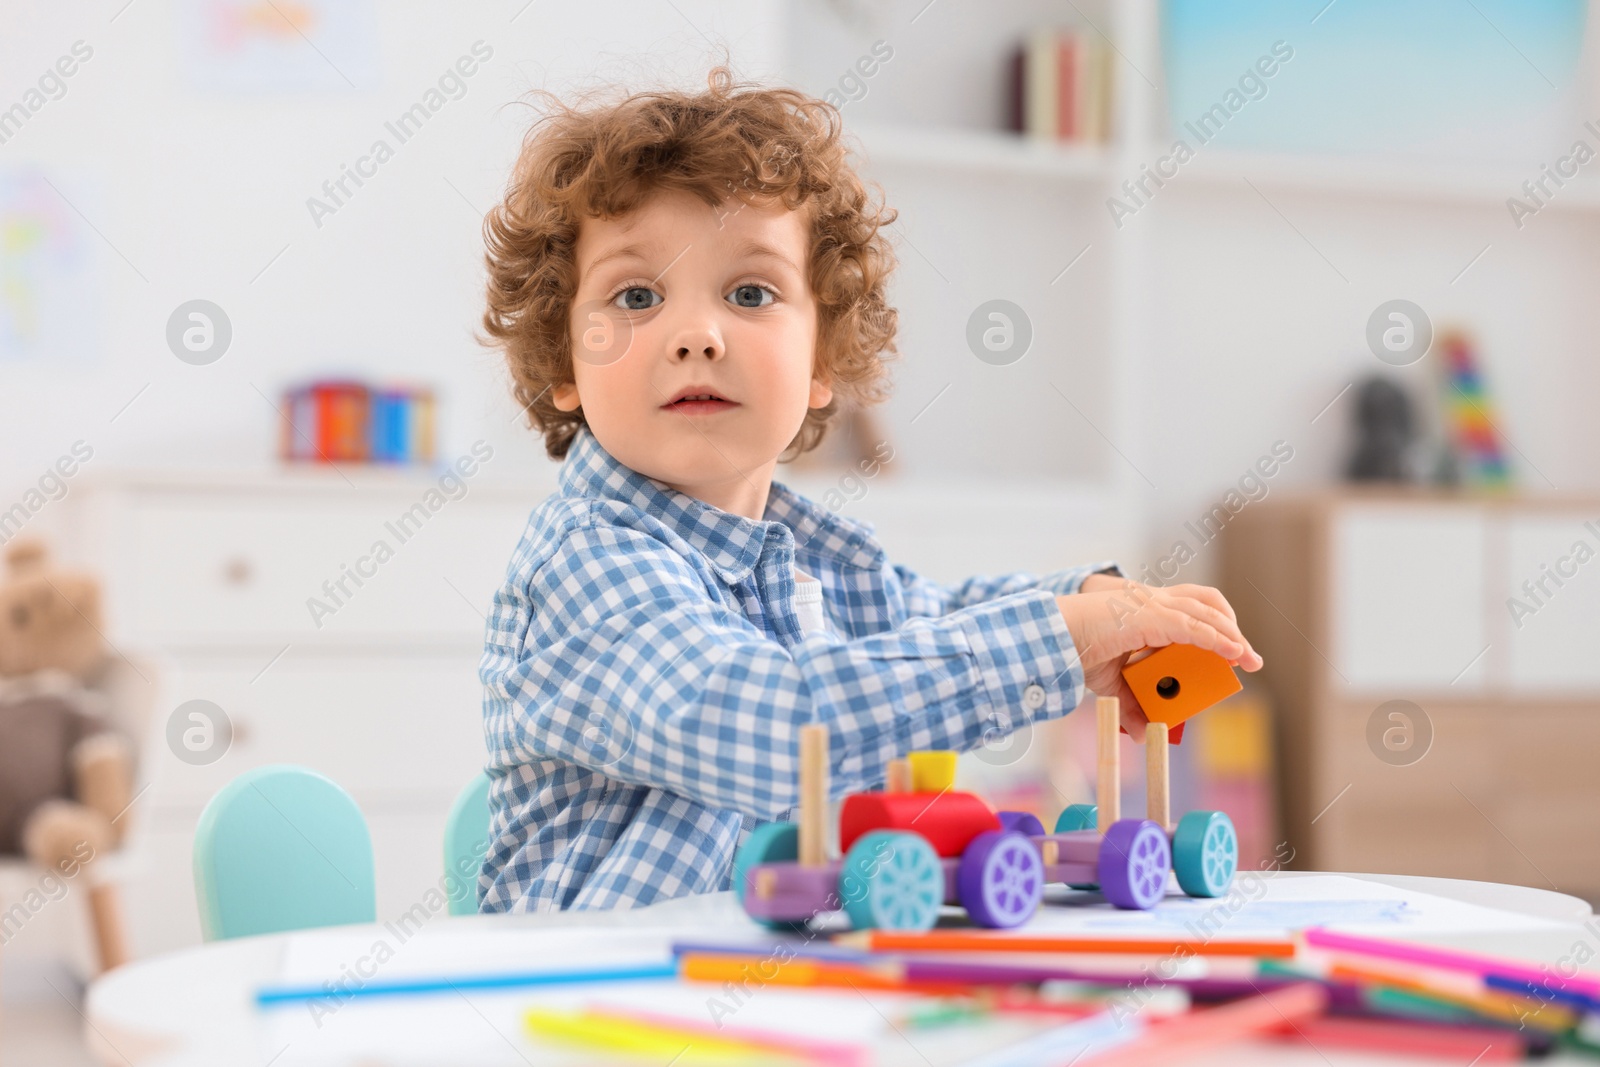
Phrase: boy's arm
(632, 669)
(929, 599)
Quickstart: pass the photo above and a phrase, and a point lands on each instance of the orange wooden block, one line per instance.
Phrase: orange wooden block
(1178, 682)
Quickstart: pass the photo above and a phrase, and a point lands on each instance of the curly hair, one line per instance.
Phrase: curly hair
(603, 161)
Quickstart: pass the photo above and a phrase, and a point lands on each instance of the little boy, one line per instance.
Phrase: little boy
(686, 286)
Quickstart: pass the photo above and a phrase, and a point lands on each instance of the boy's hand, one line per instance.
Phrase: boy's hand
(1112, 618)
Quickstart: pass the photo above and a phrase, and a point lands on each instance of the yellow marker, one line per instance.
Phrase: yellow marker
(932, 772)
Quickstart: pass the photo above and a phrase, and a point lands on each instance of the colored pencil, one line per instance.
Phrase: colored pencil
(887, 975)
(1509, 1008)
(1546, 990)
(1462, 1043)
(272, 995)
(1175, 1040)
(975, 941)
(631, 1029)
(887, 972)
(1445, 959)
(820, 949)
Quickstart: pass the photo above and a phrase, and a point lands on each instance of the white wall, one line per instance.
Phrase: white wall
(1243, 332)
(1246, 332)
(199, 191)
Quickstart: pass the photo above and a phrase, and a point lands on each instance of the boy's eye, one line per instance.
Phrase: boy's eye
(750, 296)
(636, 298)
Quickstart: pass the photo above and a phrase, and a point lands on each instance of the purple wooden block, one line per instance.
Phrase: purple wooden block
(1074, 846)
(800, 892)
(1077, 856)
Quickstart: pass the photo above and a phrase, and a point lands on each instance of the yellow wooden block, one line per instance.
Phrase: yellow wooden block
(1178, 682)
(932, 772)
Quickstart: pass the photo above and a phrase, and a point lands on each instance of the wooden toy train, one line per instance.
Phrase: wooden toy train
(918, 845)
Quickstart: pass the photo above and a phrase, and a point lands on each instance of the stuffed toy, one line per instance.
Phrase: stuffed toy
(65, 775)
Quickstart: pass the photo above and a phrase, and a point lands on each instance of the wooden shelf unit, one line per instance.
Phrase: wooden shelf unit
(1358, 599)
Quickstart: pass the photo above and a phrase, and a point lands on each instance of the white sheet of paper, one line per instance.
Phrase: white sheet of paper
(486, 1027)
(1262, 905)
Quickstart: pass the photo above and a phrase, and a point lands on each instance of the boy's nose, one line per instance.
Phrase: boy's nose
(702, 340)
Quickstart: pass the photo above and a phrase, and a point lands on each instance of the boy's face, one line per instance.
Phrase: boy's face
(680, 296)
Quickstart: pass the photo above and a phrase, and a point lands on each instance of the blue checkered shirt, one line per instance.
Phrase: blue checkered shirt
(645, 678)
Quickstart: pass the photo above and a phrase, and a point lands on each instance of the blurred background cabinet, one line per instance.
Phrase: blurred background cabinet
(1475, 621)
(214, 573)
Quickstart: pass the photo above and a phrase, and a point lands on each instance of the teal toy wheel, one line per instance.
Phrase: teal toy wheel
(772, 842)
(892, 880)
(1205, 853)
(1079, 817)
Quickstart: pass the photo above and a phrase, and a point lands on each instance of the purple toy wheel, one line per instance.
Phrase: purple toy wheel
(1023, 822)
(1134, 863)
(1001, 879)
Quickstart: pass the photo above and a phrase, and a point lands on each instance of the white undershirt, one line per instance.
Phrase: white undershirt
(808, 603)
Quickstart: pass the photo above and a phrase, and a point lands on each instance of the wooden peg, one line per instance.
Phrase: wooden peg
(110, 932)
(1158, 806)
(813, 795)
(1108, 785)
(899, 780)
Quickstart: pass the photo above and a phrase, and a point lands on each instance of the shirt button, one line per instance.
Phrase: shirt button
(1033, 697)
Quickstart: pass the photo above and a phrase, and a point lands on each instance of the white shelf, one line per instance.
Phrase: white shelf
(1380, 179)
(999, 151)
(989, 151)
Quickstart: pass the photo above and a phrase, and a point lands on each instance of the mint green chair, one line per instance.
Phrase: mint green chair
(282, 848)
(466, 842)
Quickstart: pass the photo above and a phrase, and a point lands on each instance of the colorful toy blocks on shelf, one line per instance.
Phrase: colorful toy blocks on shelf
(1469, 414)
(349, 422)
(919, 845)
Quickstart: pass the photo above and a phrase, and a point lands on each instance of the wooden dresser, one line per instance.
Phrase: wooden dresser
(212, 574)
(1428, 724)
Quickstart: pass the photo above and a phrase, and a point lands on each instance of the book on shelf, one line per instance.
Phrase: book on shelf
(1061, 86)
(347, 421)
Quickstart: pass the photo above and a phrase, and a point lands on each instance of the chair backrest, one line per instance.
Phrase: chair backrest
(466, 842)
(282, 848)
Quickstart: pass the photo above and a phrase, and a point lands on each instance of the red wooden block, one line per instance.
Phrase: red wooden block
(949, 821)
(1174, 733)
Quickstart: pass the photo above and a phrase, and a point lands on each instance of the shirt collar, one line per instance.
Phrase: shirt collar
(731, 542)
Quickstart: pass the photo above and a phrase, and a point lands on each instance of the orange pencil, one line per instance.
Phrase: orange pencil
(973, 941)
(1506, 1007)
(706, 967)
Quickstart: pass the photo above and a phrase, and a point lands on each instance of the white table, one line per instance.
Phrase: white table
(195, 1006)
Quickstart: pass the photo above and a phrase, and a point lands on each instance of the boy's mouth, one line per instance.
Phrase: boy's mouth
(698, 401)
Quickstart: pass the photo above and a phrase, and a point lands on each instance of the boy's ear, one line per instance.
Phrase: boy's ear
(565, 396)
(821, 393)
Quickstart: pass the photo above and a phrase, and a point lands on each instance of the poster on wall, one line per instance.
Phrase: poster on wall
(50, 270)
(278, 46)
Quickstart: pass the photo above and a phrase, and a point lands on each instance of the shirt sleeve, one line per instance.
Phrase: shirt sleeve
(929, 599)
(614, 654)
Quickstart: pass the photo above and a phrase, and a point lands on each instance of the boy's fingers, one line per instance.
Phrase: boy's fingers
(1131, 714)
(1184, 627)
(1213, 621)
(1208, 595)
(1222, 623)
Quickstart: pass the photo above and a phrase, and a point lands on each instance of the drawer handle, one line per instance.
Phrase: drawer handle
(238, 571)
